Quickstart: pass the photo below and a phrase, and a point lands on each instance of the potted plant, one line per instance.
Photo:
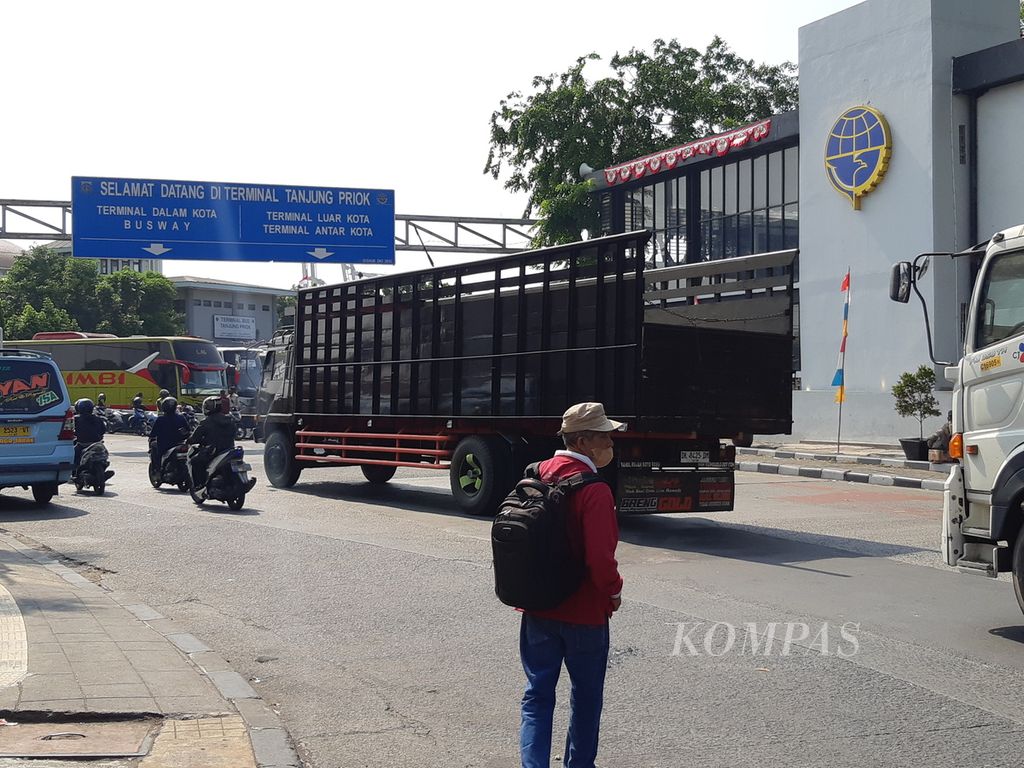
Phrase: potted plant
(913, 393)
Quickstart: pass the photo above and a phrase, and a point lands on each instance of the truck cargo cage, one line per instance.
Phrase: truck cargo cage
(702, 347)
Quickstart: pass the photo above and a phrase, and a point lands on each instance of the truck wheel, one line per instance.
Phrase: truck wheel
(481, 474)
(43, 493)
(279, 461)
(1018, 569)
(378, 474)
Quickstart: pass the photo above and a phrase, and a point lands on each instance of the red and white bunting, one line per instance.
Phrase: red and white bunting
(715, 145)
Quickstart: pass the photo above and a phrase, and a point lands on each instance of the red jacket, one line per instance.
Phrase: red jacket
(595, 534)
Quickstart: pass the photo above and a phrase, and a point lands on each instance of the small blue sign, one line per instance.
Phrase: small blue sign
(214, 221)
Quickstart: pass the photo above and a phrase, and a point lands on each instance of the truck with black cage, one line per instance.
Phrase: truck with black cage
(467, 369)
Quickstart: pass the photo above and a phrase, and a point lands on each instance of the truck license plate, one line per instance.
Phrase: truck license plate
(694, 457)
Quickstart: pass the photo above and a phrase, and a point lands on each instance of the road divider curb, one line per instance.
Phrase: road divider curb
(883, 461)
(845, 475)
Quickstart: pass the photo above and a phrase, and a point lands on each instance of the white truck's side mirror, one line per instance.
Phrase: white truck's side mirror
(900, 281)
(951, 373)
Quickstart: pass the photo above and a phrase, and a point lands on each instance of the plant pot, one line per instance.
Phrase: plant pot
(914, 448)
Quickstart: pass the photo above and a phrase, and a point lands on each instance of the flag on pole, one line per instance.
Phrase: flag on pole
(839, 380)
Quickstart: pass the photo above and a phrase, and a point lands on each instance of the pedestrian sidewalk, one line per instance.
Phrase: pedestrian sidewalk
(855, 462)
(89, 673)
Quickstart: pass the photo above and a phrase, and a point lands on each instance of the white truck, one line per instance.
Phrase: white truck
(982, 501)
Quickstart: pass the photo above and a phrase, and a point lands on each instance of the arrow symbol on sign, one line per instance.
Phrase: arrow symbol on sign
(157, 249)
(320, 253)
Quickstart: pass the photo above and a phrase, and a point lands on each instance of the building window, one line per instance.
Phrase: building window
(206, 302)
(266, 307)
(104, 266)
(197, 303)
(217, 304)
(252, 307)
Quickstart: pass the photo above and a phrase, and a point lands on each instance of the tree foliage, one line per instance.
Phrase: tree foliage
(650, 101)
(913, 393)
(47, 291)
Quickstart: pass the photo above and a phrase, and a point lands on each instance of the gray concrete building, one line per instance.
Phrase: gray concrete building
(229, 314)
(905, 142)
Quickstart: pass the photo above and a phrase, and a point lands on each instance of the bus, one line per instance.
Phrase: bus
(190, 368)
(244, 368)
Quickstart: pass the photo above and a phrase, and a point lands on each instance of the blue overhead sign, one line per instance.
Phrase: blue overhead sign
(213, 221)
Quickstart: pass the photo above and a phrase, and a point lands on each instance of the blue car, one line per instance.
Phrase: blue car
(37, 426)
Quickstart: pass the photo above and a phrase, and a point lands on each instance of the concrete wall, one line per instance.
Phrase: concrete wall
(199, 319)
(895, 57)
(1000, 160)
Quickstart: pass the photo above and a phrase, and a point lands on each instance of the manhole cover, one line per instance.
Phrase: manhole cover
(122, 738)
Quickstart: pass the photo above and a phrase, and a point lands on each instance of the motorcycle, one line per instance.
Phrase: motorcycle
(92, 469)
(141, 422)
(113, 421)
(171, 469)
(190, 417)
(236, 416)
(227, 477)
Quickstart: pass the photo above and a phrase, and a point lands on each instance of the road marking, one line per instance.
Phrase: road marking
(13, 641)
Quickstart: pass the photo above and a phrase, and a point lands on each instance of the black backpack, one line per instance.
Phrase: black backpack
(534, 564)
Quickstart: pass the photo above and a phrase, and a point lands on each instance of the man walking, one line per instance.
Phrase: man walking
(575, 632)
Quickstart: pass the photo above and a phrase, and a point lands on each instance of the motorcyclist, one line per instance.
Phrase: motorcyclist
(169, 429)
(89, 429)
(214, 435)
(101, 400)
(160, 398)
(138, 417)
(234, 399)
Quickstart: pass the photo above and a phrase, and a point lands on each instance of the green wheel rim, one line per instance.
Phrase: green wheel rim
(470, 475)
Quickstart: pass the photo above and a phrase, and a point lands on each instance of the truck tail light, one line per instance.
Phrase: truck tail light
(67, 432)
(956, 446)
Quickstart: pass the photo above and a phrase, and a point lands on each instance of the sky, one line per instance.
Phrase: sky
(375, 94)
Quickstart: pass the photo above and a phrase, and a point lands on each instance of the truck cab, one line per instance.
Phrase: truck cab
(982, 512)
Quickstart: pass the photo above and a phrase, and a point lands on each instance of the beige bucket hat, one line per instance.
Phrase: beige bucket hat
(588, 417)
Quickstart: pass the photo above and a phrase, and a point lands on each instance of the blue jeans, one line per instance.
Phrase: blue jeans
(543, 645)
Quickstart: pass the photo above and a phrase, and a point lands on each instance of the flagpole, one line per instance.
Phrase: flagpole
(841, 368)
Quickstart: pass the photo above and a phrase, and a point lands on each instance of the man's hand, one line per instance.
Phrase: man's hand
(616, 603)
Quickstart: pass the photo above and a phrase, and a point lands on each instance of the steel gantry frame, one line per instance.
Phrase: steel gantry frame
(436, 234)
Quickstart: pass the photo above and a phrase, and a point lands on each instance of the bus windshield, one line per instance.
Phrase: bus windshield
(203, 368)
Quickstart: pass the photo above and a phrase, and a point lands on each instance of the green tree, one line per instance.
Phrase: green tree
(280, 305)
(41, 274)
(651, 101)
(31, 321)
(138, 303)
(913, 393)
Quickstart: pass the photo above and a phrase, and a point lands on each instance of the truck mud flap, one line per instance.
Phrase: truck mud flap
(666, 490)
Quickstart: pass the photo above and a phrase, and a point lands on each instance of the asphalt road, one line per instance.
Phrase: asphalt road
(366, 616)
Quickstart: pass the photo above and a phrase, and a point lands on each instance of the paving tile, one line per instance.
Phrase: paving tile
(74, 626)
(156, 644)
(232, 685)
(165, 659)
(105, 651)
(47, 663)
(115, 691)
(84, 637)
(136, 632)
(101, 672)
(46, 687)
(184, 682)
(137, 704)
(9, 697)
(54, 705)
(271, 747)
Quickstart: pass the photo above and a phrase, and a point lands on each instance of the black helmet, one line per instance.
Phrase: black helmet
(169, 406)
(211, 405)
(137, 402)
(83, 406)
(164, 393)
(101, 398)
